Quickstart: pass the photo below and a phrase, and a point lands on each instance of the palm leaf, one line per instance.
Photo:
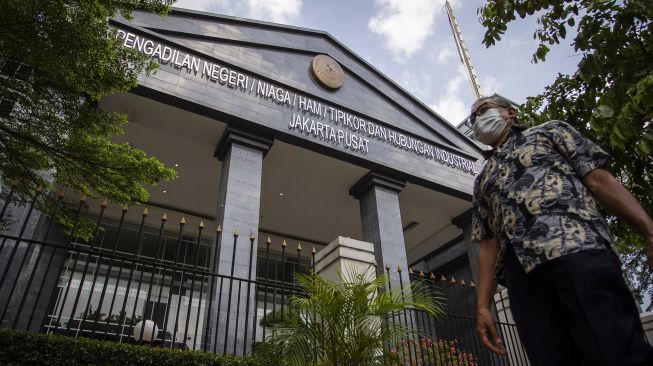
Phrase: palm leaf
(352, 322)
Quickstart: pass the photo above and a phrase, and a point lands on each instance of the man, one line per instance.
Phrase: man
(542, 235)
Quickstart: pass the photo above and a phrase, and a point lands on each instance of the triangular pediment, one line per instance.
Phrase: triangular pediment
(282, 55)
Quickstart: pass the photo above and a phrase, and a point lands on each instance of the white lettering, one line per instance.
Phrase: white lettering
(148, 47)
(356, 136)
(186, 62)
(167, 54)
(195, 64)
(332, 112)
(232, 79)
(224, 75)
(129, 39)
(260, 89)
(138, 43)
(240, 81)
(157, 52)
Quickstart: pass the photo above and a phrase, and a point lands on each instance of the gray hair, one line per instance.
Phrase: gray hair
(496, 99)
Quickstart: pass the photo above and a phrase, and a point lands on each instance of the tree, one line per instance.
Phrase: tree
(57, 60)
(346, 323)
(609, 97)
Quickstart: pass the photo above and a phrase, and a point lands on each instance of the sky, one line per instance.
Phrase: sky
(411, 42)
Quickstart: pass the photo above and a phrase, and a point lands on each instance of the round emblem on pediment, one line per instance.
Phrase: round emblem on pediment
(327, 72)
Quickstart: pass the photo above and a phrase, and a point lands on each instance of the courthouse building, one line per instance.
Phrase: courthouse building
(278, 133)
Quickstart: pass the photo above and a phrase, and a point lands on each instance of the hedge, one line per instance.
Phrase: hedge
(22, 348)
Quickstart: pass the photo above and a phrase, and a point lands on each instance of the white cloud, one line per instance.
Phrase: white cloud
(204, 5)
(453, 103)
(278, 11)
(405, 24)
(491, 85)
(444, 53)
(416, 84)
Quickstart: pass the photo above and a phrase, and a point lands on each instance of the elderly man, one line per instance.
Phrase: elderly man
(542, 235)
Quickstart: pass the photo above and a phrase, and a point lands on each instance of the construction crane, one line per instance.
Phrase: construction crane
(462, 51)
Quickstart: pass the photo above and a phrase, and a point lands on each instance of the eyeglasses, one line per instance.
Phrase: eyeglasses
(471, 119)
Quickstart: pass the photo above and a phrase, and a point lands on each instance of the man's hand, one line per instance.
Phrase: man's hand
(487, 331)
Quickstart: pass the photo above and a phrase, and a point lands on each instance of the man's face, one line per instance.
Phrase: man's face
(506, 113)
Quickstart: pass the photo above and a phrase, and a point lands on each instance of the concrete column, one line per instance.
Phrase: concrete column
(24, 305)
(24, 252)
(345, 256)
(238, 208)
(381, 221)
(464, 222)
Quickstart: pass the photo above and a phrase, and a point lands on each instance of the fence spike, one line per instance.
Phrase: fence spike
(39, 189)
(61, 194)
(164, 218)
(283, 245)
(236, 233)
(201, 226)
(432, 276)
(313, 251)
(399, 269)
(251, 236)
(14, 183)
(387, 266)
(443, 278)
(125, 208)
(104, 203)
(453, 280)
(471, 284)
(421, 274)
(375, 263)
(83, 199)
(269, 241)
(462, 283)
(218, 229)
(410, 270)
(182, 222)
(145, 212)
(299, 247)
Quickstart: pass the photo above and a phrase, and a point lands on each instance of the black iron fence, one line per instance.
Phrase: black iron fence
(152, 281)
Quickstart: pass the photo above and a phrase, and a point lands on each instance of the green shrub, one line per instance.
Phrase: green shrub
(22, 348)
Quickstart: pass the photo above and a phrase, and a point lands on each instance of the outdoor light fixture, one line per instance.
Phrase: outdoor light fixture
(149, 333)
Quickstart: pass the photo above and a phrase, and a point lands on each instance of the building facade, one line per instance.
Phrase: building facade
(284, 139)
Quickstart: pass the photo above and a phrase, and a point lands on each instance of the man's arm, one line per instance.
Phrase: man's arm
(486, 288)
(618, 200)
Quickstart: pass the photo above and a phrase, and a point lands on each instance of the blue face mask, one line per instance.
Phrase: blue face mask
(489, 126)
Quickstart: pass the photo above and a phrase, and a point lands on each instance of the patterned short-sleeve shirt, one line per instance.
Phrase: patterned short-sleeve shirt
(530, 194)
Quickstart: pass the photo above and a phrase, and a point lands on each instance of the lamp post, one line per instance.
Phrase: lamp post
(149, 333)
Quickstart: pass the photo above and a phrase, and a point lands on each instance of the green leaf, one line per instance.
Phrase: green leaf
(644, 149)
(604, 111)
(541, 52)
(59, 126)
(521, 11)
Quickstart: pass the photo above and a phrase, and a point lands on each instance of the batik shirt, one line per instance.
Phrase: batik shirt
(530, 194)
